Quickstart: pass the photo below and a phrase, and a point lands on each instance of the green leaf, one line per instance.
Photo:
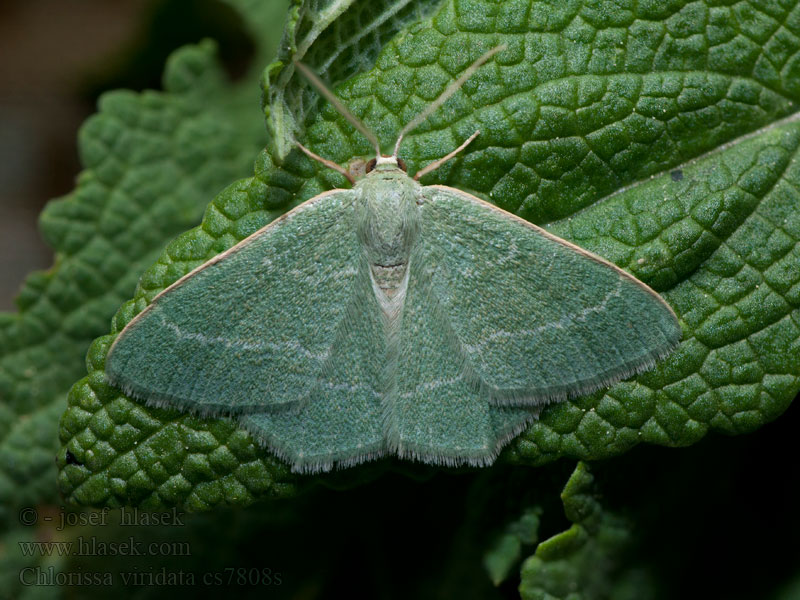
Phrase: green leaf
(337, 39)
(506, 550)
(719, 239)
(586, 561)
(152, 159)
(659, 135)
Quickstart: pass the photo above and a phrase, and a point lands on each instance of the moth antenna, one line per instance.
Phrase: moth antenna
(328, 163)
(439, 162)
(339, 106)
(445, 95)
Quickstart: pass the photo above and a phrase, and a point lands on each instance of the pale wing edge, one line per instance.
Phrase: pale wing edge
(235, 248)
(524, 398)
(168, 401)
(386, 449)
(311, 465)
(483, 458)
(164, 401)
(588, 254)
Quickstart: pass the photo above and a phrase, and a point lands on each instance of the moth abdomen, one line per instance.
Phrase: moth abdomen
(389, 278)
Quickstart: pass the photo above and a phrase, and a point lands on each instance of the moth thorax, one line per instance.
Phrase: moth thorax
(387, 220)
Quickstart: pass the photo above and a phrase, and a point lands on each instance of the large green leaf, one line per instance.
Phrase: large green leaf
(152, 160)
(657, 134)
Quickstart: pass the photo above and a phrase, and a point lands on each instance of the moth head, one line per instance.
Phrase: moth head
(393, 161)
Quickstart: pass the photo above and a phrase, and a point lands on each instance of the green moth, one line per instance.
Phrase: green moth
(391, 318)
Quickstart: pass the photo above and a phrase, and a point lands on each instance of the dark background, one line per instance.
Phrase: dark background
(56, 58)
(46, 47)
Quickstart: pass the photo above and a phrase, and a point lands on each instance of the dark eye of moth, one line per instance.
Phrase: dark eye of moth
(400, 163)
